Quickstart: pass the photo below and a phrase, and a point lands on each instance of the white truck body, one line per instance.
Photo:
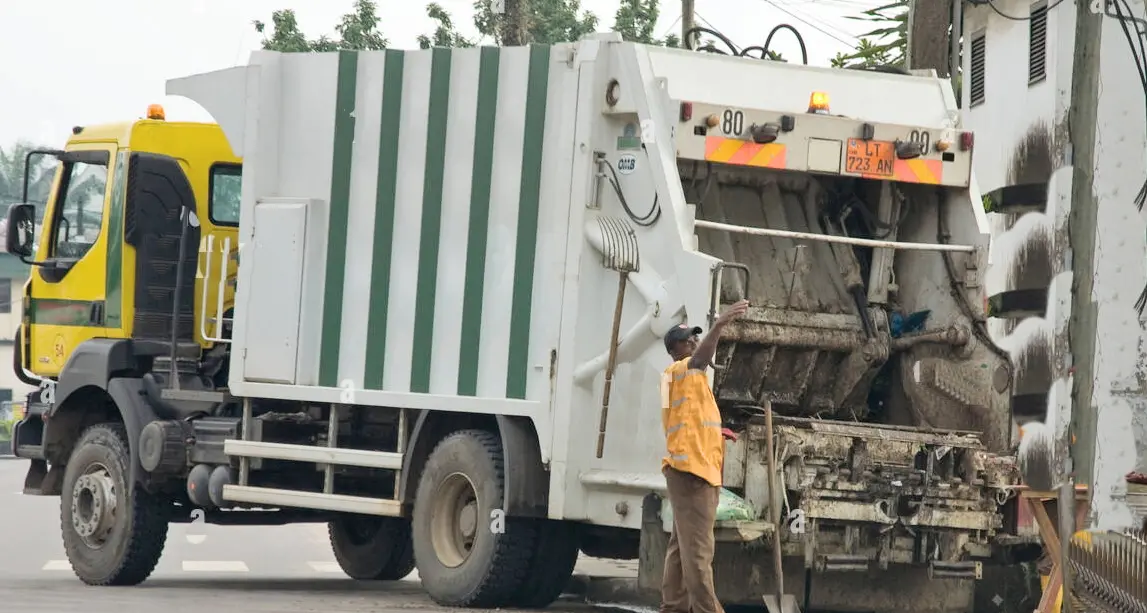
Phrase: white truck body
(431, 230)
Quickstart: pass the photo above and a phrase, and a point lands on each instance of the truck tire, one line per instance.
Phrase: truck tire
(370, 548)
(110, 538)
(552, 566)
(468, 553)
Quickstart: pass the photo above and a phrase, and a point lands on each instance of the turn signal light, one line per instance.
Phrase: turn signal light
(818, 103)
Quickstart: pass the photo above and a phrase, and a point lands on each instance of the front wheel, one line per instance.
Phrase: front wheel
(113, 534)
(370, 548)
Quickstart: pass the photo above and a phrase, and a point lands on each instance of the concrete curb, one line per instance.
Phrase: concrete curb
(622, 590)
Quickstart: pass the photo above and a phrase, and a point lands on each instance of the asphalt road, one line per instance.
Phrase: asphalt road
(248, 569)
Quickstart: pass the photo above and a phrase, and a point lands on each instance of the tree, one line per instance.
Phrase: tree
(12, 176)
(445, 34)
(357, 30)
(636, 19)
(884, 45)
(545, 21)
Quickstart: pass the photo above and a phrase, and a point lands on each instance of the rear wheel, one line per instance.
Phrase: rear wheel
(552, 566)
(370, 548)
(468, 553)
(113, 534)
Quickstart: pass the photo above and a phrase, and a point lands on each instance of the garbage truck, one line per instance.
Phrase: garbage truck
(420, 296)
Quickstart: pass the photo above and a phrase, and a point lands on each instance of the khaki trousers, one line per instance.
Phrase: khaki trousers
(687, 583)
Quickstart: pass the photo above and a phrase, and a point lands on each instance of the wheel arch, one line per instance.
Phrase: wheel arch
(99, 383)
(527, 485)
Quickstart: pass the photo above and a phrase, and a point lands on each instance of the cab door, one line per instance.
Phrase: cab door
(76, 292)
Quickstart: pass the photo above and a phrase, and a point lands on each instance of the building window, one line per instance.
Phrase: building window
(976, 86)
(1037, 43)
(5, 295)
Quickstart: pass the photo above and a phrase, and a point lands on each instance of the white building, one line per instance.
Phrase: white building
(1016, 92)
(13, 275)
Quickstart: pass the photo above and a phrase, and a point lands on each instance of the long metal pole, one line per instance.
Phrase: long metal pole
(957, 32)
(775, 507)
(832, 238)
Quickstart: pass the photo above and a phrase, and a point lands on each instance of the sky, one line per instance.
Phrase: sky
(76, 62)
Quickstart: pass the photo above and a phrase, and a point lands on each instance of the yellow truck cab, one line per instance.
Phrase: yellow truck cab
(128, 200)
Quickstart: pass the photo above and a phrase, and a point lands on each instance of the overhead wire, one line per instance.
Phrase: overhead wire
(992, 5)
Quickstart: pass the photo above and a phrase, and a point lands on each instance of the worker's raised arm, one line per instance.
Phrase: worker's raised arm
(703, 356)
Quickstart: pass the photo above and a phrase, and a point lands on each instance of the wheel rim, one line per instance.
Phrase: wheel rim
(454, 520)
(94, 506)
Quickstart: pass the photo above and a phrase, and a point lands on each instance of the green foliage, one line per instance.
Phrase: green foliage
(545, 21)
(12, 176)
(358, 29)
(6, 427)
(884, 45)
(445, 34)
(636, 20)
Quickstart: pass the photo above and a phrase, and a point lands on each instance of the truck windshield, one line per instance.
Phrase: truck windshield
(226, 191)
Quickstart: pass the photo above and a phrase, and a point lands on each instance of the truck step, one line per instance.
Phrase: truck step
(270, 497)
(307, 453)
(1017, 199)
(955, 570)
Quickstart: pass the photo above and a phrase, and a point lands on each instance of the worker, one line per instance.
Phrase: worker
(695, 441)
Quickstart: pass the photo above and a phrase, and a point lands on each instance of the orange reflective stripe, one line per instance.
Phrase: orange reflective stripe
(744, 153)
(918, 171)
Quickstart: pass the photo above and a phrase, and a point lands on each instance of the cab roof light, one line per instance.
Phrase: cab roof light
(818, 103)
(155, 111)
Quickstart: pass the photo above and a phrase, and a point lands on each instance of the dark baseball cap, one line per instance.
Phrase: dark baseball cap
(679, 332)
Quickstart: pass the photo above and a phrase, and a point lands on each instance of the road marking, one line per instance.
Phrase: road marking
(326, 567)
(57, 565)
(214, 567)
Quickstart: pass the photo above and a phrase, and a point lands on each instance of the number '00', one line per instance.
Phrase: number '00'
(921, 138)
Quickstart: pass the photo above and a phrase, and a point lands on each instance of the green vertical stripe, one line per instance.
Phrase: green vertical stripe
(385, 196)
(113, 288)
(528, 197)
(480, 180)
(431, 220)
(339, 209)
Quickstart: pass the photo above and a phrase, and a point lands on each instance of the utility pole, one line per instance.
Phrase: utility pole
(688, 22)
(928, 39)
(514, 23)
(1082, 228)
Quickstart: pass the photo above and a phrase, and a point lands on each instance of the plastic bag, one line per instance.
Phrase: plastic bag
(730, 507)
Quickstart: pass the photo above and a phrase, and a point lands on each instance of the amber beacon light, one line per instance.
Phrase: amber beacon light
(818, 103)
(155, 111)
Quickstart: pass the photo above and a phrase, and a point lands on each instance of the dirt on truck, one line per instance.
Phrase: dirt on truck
(419, 295)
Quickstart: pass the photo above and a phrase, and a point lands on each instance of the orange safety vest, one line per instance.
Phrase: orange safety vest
(692, 423)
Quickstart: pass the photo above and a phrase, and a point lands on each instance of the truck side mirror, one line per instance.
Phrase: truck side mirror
(20, 230)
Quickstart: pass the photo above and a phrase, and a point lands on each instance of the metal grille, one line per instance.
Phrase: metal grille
(1110, 573)
(1037, 43)
(976, 90)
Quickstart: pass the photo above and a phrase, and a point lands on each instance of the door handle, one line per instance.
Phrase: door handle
(96, 315)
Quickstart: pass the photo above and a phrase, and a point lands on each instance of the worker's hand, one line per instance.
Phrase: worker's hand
(729, 434)
(734, 312)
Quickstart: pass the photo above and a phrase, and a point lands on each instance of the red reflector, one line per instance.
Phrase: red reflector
(967, 139)
(686, 111)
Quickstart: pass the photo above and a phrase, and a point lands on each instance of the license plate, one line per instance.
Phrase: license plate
(869, 157)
